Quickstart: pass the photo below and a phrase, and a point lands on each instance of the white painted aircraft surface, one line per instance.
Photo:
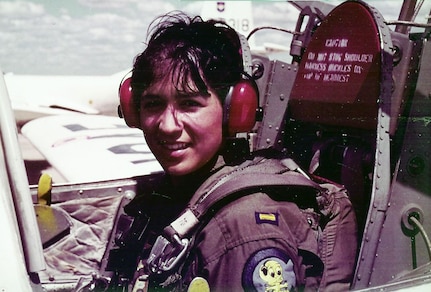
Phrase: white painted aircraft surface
(86, 148)
(239, 15)
(34, 96)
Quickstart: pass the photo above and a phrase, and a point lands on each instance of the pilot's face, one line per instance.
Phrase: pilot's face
(184, 132)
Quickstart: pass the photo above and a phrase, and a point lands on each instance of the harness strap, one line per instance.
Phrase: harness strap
(170, 248)
(237, 185)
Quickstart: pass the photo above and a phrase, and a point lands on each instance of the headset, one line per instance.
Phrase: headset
(240, 107)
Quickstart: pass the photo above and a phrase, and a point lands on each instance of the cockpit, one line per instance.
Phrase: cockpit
(353, 107)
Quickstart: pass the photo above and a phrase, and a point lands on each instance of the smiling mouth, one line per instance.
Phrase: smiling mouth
(173, 146)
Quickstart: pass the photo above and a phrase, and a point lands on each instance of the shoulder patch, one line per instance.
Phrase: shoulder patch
(269, 269)
(270, 218)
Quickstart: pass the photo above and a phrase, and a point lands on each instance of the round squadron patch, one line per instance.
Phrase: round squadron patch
(269, 270)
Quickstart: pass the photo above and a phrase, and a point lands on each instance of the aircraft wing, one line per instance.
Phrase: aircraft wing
(34, 96)
(85, 148)
(25, 112)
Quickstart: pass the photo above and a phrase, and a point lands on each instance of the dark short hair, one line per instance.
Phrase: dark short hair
(208, 53)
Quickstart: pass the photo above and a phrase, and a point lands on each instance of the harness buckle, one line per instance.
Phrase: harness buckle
(165, 255)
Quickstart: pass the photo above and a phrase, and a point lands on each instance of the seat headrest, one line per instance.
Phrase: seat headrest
(338, 81)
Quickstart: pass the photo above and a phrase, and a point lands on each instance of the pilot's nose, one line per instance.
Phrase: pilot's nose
(170, 121)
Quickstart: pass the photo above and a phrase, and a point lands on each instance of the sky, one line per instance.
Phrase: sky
(102, 37)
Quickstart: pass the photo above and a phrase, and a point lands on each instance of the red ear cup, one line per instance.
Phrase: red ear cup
(128, 107)
(241, 105)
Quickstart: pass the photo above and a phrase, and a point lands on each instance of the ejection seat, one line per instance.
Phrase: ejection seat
(335, 108)
(337, 120)
(351, 106)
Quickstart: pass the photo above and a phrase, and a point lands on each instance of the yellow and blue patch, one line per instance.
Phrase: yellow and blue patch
(269, 269)
(266, 217)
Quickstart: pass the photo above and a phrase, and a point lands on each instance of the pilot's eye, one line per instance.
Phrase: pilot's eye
(151, 103)
(190, 103)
